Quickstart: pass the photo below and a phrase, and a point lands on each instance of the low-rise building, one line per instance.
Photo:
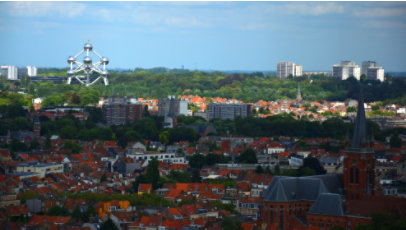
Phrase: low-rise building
(40, 168)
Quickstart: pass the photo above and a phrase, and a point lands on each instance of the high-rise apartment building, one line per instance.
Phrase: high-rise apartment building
(172, 106)
(285, 69)
(346, 69)
(367, 64)
(9, 72)
(226, 111)
(375, 73)
(31, 71)
(118, 111)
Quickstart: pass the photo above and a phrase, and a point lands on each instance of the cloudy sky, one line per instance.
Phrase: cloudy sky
(205, 35)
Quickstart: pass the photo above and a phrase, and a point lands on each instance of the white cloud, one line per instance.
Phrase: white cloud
(379, 12)
(45, 9)
(386, 24)
(313, 9)
(184, 22)
(253, 27)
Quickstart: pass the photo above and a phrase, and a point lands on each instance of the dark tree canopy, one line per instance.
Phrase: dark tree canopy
(314, 164)
(109, 225)
(248, 156)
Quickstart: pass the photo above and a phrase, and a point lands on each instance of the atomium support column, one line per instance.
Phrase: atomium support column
(87, 66)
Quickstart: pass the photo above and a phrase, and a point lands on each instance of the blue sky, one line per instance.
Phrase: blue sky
(205, 35)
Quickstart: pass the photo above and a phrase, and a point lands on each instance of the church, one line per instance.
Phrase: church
(325, 201)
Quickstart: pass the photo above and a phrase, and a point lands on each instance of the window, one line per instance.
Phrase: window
(357, 175)
(271, 217)
(281, 220)
(351, 176)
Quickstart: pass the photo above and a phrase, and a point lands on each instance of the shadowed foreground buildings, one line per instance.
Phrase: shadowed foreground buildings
(324, 201)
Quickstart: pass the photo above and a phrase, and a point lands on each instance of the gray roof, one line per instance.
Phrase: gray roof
(285, 189)
(333, 182)
(328, 204)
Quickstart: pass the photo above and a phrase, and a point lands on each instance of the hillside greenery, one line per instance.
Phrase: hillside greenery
(249, 87)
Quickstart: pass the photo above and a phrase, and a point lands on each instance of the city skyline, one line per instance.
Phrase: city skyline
(206, 35)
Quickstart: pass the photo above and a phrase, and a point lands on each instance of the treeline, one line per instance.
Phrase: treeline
(287, 125)
(249, 87)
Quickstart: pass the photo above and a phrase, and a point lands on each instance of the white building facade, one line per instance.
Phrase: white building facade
(367, 64)
(346, 69)
(284, 69)
(375, 73)
(31, 71)
(10, 72)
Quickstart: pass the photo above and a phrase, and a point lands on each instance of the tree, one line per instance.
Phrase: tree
(58, 211)
(231, 223)
(314, 164)
(146, 112)
(70, 145)
(196, 176)
(277, 170)
(259, 169)
(164, 137)
(152, 174)
(395, 141)
(76, 214)
(306, 171)
(197, 161)
(103, 178)
(351, 109)
(53, 100)
(248, 156)
(109, 225)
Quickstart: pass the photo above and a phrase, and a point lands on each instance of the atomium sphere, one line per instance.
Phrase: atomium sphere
(88, 47)
(104, 73)
(70, 72)
(105, 60)
(71, 60)
(87, 60)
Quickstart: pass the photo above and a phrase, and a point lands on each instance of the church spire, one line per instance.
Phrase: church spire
(360, 132)
(299, 94)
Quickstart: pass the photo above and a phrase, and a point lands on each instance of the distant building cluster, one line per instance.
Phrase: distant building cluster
(369, 69)
(118, 111)
(342, 70)
(12, 73)
(285, 69)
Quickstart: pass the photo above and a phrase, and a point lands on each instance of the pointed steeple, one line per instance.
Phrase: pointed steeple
(299, 94)
(360, 132)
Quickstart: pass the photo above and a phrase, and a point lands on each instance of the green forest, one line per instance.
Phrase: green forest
(249, 87)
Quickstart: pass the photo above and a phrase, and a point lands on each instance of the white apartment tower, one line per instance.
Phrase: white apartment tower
(31, 71)
(375, 73)
(367, 64)
(285, 69)
(346, 69)
(9, 71)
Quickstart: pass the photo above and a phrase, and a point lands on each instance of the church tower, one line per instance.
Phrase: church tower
(299, 94)
(359, 160)
(37, 126)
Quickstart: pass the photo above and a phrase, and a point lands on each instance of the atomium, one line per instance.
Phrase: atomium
(87, 66)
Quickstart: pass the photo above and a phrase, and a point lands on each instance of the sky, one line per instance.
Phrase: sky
(205, 35)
